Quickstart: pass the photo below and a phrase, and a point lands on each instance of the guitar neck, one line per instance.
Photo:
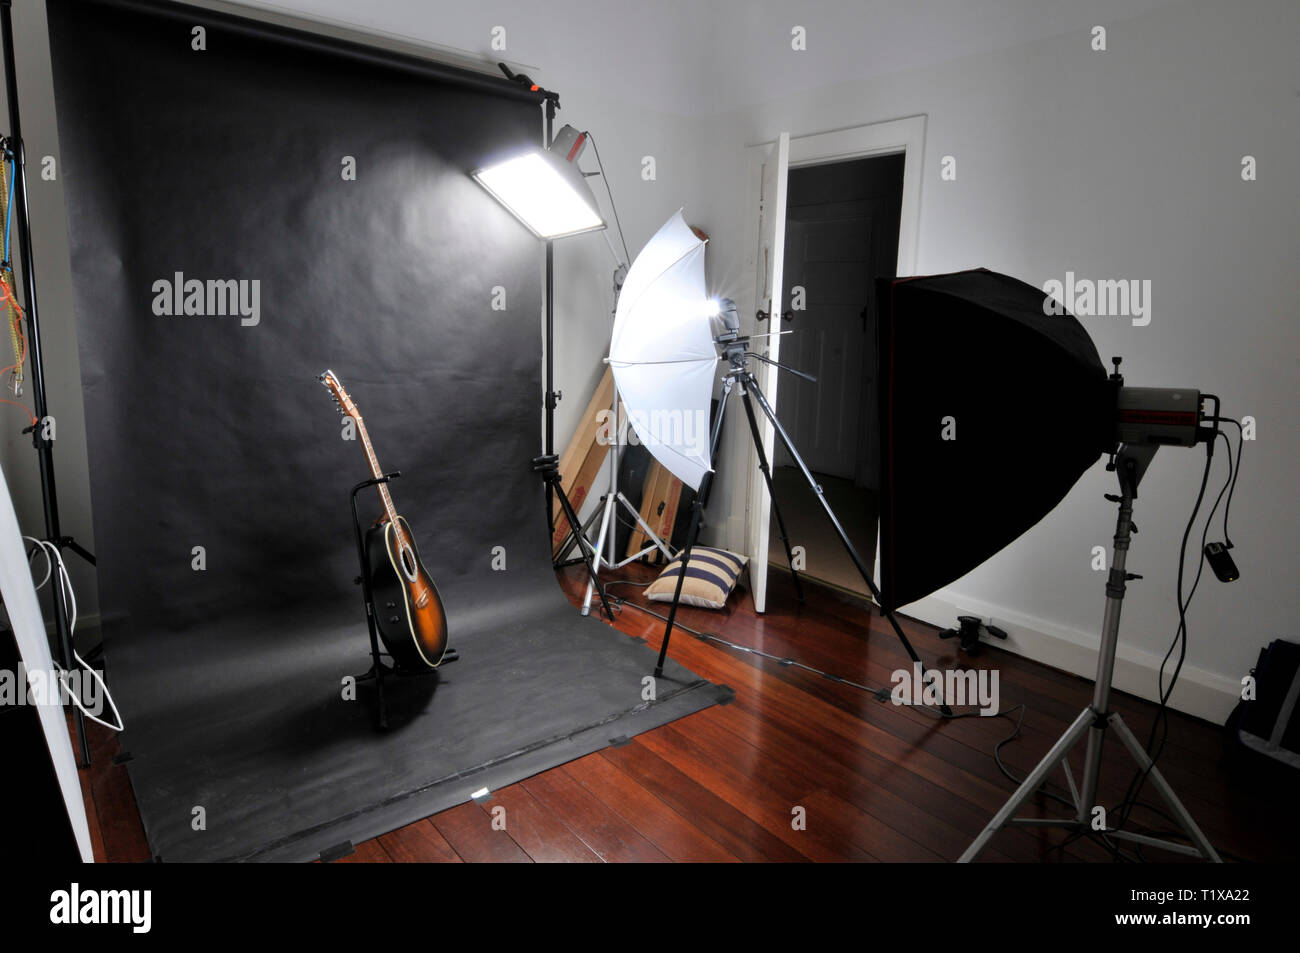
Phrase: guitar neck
(376, 472)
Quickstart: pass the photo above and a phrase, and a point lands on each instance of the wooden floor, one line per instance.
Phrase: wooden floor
(876, 781)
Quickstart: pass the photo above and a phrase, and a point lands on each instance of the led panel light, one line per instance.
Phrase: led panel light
(545, 193)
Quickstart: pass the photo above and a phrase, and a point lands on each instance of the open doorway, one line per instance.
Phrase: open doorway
(842, 232)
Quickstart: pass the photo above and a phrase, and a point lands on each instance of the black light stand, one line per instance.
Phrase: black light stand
(736, 353)
(44, 447)
(548, 464)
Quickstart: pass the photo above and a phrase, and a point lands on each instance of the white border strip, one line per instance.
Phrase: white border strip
(25, 617)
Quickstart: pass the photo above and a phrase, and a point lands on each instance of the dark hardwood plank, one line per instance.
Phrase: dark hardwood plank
(469, 832)
(916, 807)
(738, 833)
(114, 801)
(542, 835)
(747, 785)
(838, 818)
(419, 843)
(604, 831)
(678, 838)
(367, 852)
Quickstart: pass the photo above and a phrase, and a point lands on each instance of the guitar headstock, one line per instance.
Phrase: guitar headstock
(347, 406)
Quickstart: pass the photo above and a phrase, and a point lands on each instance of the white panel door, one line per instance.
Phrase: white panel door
(769, 252)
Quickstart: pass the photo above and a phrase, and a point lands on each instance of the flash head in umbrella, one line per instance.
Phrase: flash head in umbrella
(662, 351)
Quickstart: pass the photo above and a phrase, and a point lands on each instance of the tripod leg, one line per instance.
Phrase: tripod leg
(1030, 784)
(771, 491)
(70, 543)
(562, 554)
(650, 534)
(607, 504)
(751, 386)
(583, 546)
(692, 534)
(550, 510)
(1153, 773)
(697, 518)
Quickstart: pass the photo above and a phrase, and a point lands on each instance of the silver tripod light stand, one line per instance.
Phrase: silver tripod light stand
(609, 515)
(605, 550)
(1139, 442)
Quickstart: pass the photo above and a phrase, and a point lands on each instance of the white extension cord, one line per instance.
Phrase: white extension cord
(55, 558)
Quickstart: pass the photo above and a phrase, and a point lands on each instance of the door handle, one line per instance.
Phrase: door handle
(763, 315)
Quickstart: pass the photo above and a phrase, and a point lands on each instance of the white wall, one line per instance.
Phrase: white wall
(1122, 164)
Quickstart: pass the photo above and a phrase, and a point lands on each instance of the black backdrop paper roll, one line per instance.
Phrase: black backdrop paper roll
(210, 430)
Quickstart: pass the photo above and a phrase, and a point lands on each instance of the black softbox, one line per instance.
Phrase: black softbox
(991, 409)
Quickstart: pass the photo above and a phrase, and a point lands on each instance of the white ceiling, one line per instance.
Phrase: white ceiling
(700, 57)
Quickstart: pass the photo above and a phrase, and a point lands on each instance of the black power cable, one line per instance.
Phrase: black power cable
(1241, 443)
(1159, 734)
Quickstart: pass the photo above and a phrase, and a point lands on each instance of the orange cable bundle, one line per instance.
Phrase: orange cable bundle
(13, 311)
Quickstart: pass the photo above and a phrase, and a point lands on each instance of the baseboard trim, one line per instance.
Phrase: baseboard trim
(1199, 692)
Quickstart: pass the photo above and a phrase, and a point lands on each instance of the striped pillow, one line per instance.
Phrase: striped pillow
(710, 577)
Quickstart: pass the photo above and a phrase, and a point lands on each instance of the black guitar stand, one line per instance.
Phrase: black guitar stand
(379, 669)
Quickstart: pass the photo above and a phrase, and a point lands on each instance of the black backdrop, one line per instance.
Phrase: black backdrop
(226, 163)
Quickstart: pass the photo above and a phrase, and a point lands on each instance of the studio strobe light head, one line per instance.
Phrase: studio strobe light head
(1158, 416)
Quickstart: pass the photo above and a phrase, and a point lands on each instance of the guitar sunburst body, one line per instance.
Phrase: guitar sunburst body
(408, 610)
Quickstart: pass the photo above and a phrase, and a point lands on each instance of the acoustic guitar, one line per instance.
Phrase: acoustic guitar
(408, 610)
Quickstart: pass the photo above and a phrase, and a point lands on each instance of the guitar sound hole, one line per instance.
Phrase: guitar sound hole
(408, 563)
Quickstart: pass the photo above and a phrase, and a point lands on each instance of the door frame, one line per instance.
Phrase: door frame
(891, 137)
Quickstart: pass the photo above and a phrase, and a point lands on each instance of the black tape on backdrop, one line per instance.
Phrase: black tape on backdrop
(220, 472)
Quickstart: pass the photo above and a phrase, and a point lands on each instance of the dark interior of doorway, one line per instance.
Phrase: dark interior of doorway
(842, 221)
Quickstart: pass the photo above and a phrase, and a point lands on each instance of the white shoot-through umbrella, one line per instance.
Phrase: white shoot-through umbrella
(662, 351)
